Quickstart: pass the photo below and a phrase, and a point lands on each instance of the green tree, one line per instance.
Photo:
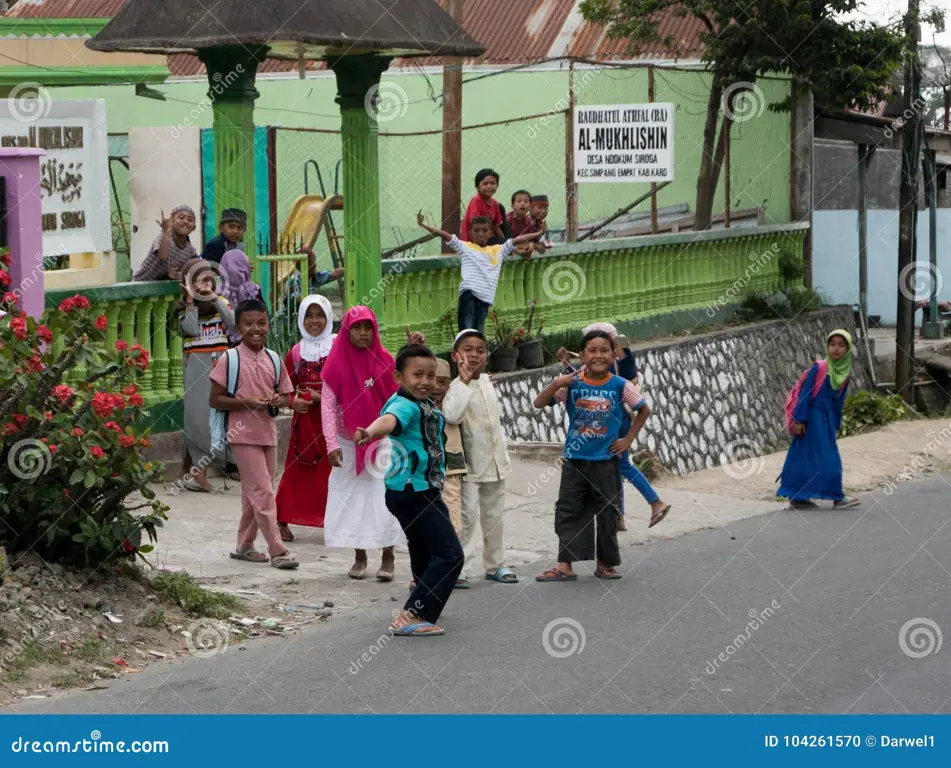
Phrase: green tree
(846, 63)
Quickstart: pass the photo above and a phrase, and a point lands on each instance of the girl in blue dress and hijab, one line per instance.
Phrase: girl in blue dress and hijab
(813, 468)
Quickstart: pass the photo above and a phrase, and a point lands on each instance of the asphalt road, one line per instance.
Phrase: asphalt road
(839, 587)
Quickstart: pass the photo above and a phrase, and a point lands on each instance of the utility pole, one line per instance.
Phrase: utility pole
(452, 135)
(908, 208)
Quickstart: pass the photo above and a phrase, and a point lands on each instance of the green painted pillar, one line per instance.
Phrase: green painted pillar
(358, 76)
(231, 73)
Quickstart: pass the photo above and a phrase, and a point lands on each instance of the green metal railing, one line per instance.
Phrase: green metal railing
(609, 280)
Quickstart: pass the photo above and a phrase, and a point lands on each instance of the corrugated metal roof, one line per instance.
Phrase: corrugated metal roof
(591, 41)
(66, 9)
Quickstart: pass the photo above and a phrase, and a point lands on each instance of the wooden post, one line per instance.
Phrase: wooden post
(452, 135)
(571, 186)
(934, 328)
(801, 159)
(864, 156)
(650, 98)
(727, 139)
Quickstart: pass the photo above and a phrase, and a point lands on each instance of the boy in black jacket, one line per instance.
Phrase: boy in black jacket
(231, 230)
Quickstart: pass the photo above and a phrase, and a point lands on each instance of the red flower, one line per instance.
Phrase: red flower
(129, 389)
(97, 453)
(9, 429)
(77, 432)
(54, 448)
(18, 326)
(101, 322)
(63, 393)
(145, 442)
(20, 419)
(44, 439)
(10, 298)
(35, 364)
(113, 426)
(67, 305)
(139, 357)
(104, 403)
(5, 279)
(128, 546)
(127, 441)
(48, 415)
(5, 258)
(136, 401)
(121, 345)
(66, 494)
(45, 334)
(81, 302)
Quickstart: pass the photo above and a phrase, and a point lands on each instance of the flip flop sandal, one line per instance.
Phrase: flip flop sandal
(191, 485)
(607, 573)
(802, 505)
(462, 583)
(847, 503)
(659, 516)
(553, 574)
(412, 630)
(249, 555)
(503, 576)
(284, 563)
(382, 575)
(357, 573)
(286, 534)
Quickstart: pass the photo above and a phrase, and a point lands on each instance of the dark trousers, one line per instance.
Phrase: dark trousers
(435, 554)
(472, 312)
(589, 491)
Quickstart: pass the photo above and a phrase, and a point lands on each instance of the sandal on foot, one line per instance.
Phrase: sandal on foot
(553, 574)
(286, 534)
(796, 504)
(419, 629)
(659, 516)
(249, 555)
(462, 583)
(503, 576)
(284, 562)
(412, 586)
(607, 573)
(846, 503)
(384, 575)
(357, 572)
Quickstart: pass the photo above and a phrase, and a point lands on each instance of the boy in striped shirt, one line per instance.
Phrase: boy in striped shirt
(481, 266)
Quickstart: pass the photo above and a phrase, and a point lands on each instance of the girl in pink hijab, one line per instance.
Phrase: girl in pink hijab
(357, 381)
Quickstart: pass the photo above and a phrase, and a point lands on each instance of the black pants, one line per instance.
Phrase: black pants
(589, 491)
(435, 554)
(472, 312)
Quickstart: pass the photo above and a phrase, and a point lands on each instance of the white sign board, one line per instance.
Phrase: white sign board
(74, 173)
(624, 142)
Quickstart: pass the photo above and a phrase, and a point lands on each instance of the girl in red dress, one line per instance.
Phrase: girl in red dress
(302, 493)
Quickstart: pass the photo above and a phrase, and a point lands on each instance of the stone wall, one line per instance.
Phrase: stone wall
(716, 398)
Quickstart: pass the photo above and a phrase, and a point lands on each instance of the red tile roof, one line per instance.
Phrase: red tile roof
(513, 33)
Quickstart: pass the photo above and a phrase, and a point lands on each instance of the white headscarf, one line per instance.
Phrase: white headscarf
(606, 327)
(315, 348)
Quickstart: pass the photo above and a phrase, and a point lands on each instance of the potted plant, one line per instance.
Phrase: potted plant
(530, 351)
(504, 355)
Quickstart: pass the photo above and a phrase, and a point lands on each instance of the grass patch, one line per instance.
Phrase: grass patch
(31, 656)
(183, 590)
(867, 410)
(93, 650)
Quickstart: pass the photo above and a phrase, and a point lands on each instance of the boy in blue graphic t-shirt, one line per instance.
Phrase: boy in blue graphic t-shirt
(588, 506)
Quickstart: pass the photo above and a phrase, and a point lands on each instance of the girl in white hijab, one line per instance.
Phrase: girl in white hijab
(302, 493)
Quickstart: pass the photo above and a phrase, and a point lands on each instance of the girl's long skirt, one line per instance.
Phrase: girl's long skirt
(302, 492)
(196, 430)
(589, 490)
(357, 517)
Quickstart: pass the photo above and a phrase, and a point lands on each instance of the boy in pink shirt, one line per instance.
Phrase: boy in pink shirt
(252, 431)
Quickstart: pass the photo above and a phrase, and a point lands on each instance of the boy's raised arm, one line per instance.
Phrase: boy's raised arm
(432, 230)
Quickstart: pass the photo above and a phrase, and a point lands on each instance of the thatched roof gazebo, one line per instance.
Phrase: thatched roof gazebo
(357, 38)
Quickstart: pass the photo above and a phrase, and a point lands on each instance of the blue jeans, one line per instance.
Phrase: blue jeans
(635, 477)
(472, 312)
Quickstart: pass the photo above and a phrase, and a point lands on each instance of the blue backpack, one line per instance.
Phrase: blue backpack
(218, 420)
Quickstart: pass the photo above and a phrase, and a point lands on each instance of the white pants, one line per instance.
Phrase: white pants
(483, 503)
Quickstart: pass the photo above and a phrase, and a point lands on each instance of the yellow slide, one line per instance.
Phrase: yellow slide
(304, 223)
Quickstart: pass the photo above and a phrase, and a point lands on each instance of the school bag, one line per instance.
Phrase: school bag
(792, 398)
(218, 420)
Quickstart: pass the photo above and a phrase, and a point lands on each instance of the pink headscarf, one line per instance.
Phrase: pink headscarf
(361, 379)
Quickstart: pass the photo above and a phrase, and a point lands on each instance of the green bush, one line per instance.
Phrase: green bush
(68, 458)
(866, 410)
(789, 302)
